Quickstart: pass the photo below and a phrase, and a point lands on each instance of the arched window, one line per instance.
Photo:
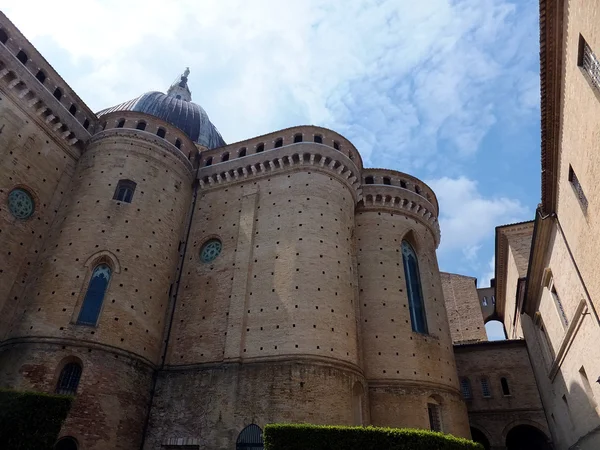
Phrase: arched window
(73, 109)
(386, 180)
(22, 56)
(417, 189)
(121, 123)
(318, 139)
(225, 157)
(161, 133)
(505, 389)
(298, 137)
(250, 438)
(69, 379)
(3, 36)
(369, 180)
(484, 301)
(86, 124)
(413, 288)
(435, 415)
(124, 191)
(279, 142)
(336, 145)
(41, 76)
(141, 125)
(92, 303)
(178, 97)
(57, 94)
(403, 184)
(465, 387)
(260, 148)
(485, 387)
(66, 443)
(177, 143)
(208, 162)
(242, 152)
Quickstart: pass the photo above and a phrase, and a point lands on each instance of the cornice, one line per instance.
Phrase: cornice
(301, 156)
(551, 67)
(27, 89)
(71, 342)
(411, 384)
(397, 199)
(300, 359)
(138, 135)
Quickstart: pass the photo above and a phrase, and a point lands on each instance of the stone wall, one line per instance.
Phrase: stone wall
(463, 306)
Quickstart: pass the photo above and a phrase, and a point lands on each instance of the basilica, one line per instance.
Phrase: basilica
(187, 291)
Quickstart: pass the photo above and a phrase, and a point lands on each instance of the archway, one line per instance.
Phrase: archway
(478, 436)
(526, 437)
(495, 330)
(66, 443)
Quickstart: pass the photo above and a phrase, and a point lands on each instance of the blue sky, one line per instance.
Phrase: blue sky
(445, 90)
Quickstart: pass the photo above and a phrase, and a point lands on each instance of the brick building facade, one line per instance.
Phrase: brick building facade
(184, 289)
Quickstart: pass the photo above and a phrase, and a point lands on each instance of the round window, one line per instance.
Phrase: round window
(20, 204)
(210, 250)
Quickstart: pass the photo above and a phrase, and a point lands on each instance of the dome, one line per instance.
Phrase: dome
(176, 108)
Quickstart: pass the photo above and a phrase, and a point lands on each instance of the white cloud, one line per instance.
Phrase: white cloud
(467, 218)
(484, 280)
(400, 79)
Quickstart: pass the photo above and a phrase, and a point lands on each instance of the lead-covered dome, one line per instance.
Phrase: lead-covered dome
(176, 108)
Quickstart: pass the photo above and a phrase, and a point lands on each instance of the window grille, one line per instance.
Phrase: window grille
(465, 387)
(69, 379)
(578, 189)
(250, 438)
(590, 63)
(435, 421)
(485, 388)
(559, 306)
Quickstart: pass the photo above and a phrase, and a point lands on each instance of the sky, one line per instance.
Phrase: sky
(445, 90)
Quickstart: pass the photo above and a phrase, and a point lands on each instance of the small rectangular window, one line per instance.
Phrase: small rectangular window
(578, 189)
(589, 63)
(484, 301)
(485, 388)
(124, 191)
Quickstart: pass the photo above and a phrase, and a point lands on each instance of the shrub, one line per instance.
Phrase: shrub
(316, 437)
(31, 420)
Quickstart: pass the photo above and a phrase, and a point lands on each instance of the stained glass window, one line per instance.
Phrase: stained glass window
(20, 204)
(92, 303)
(413, 288)
(210, 250)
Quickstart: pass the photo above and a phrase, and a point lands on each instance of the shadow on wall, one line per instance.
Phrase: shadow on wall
(574, 417)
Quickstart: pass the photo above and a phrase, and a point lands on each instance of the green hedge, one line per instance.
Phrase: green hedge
(315, 437)
(31, 420)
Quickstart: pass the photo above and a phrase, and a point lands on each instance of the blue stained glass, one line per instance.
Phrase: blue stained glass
(20, 204)
(92, 303)
(413, 287)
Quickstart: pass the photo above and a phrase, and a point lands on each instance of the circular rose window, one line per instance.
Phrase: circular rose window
(20, 204)
(210, 250)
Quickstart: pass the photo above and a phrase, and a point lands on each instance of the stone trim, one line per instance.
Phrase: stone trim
(299, 156)
(72, 342)
(551, 67)
(31, 92)
(146, 137)
(404, 201)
